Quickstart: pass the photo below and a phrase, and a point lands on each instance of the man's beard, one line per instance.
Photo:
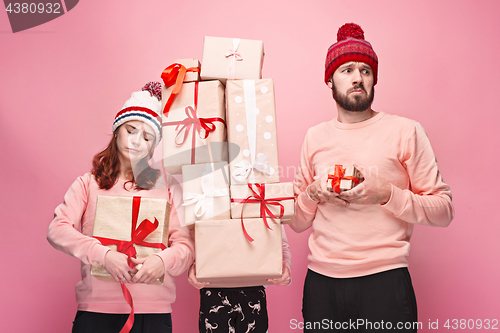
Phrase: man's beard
(355, 103)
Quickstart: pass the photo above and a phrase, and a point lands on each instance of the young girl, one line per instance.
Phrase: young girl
(122, 169)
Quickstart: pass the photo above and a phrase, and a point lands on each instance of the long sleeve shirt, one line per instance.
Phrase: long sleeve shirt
(71, 232)
(360, 240)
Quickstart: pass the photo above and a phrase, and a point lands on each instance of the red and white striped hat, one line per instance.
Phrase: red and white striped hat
(144, 105)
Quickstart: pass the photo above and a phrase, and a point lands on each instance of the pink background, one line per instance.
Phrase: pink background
(62, 83)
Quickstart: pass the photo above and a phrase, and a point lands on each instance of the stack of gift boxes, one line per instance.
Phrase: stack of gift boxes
(232, 194)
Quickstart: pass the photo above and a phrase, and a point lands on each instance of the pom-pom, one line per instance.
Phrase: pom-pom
(350, 30)
(154, 89)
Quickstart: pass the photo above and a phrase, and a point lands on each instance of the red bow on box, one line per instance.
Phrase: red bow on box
(192, 121)
(264, 209)
(138, 234)
(174, 75)
(339, 175)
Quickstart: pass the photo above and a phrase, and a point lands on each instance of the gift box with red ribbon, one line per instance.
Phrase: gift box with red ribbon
(231, 59)
(251, 125)
(269, 201)
(225, 257)
(194, 130)
(342, 178)
(136, 226)
(205, 192)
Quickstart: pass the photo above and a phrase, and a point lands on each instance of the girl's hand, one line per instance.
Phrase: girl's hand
(116, 264)
(152, 269)
(285, 278)
(193, 280)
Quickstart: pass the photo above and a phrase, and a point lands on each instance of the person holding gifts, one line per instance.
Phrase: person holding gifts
(360, 237)
(239, 309)
(123, 170)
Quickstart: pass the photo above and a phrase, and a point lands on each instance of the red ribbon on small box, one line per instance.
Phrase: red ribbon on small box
(138, 234)
(193, 121)
(174, 75)
(339, 175)
(264, 209)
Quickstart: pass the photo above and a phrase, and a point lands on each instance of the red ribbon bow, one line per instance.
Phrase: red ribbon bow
(192, 121)
(138, 234)
(264, 209)
(174, 75)
(339, 175)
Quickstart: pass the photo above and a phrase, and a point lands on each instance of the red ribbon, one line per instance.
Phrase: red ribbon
(339, 175)
(138, 234)
(192, 121)
(130, 320)
(264, 209)
(174, 75)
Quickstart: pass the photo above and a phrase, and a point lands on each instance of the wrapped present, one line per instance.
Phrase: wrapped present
(205, 192)
(275, 201)
(193, 68)
(251, 119)
(195, 130)
(181, 71)
(135, 226)
(232, 58)
(342, 179)
(225, 258)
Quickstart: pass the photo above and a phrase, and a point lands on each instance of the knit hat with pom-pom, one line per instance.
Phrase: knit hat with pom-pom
(144, 105)
(351, 46)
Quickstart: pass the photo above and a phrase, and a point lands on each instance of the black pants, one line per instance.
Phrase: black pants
(93, 322)
(380, 302)
(233, 310)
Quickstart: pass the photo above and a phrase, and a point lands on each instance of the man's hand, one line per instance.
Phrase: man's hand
(151, 270)
(372, 191)
(193, 280)
(284, 280)
(116, 264)
(317, 191)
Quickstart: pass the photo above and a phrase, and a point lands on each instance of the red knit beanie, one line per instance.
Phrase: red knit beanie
(351, 46)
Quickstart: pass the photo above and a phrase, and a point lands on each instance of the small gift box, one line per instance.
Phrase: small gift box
(181, 71)
(342, 179)
(205, 192)
(135, 226)
(225, 258)
(231, 58)
(193, 69)
(275, 201)
(251, 119)
(195, 130)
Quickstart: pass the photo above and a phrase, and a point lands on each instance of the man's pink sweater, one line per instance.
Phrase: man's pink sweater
(359, 240)
(77, 213)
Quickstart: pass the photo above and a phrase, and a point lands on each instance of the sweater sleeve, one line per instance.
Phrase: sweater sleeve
(287, 255)
(64, 234)
(180, 253)
(428, 201)
(305, 207)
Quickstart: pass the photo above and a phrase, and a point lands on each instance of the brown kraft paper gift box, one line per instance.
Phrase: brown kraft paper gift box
(345, 182)
(179, 129)
(272, 192)
(231, 58)
(226, 258)
(251, 125)
(205, 192)
(188, 63)
(113, 220)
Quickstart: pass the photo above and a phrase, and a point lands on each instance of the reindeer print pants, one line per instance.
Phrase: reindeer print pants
(233, 310)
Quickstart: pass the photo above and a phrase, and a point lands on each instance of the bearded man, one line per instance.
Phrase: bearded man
(358, 280)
